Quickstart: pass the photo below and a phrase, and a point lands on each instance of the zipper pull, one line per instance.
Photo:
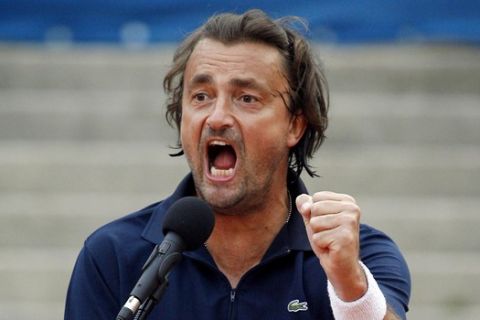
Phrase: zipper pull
(232, 295)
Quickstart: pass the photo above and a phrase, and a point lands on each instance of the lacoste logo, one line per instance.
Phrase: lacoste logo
(296, 305)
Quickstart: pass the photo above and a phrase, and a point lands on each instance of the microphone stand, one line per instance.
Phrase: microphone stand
(163, 260)
(147, 306)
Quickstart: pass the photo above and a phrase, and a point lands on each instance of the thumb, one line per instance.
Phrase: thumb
(304, 203)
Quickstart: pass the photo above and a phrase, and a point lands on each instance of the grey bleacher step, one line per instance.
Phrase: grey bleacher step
(395, 68)
(441, 311)
(62, 220)
(423, 170)
(82, 68)
(27, 310)
(404, 118)
(88, 115)
(425, 224)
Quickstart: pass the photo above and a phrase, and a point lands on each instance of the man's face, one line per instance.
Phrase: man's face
(236, 130)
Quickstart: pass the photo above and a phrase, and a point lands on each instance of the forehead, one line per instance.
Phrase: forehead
(239, 60)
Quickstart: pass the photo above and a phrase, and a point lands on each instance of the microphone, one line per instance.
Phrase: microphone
(187, 225)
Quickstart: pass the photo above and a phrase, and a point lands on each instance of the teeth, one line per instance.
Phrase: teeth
(221, 172)
(217, 143)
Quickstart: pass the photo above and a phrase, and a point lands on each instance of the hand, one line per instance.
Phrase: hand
(332, 221)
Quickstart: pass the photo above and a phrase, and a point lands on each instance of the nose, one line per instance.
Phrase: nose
(220, 116)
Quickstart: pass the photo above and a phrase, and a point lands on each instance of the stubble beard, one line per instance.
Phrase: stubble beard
(238, 198)
(250, 188)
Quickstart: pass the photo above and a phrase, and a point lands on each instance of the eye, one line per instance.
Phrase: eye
(200, 97)
(248, 99)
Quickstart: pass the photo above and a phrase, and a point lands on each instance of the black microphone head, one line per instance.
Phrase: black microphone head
(192, 219)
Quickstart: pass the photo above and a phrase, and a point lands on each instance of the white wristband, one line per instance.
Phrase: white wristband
(371, 306)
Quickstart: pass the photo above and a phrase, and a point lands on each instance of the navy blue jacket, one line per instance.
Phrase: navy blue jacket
(110, 263)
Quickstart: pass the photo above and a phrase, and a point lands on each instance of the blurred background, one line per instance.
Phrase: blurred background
(83, 138)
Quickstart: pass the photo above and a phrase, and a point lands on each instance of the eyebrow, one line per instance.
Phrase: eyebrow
(200, 79)
(203, 78)
(247, 83)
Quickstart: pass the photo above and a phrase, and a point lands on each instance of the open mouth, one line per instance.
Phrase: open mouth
(221, 159)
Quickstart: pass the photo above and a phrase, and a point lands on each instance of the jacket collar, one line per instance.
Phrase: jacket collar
(291, 237)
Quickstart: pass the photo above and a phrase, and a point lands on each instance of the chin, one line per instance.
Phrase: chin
(221, 199)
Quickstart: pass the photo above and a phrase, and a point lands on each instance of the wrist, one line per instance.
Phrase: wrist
(351, 285)
(371, 306)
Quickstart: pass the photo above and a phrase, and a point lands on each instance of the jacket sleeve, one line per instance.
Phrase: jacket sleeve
(389, 268)
(90, 295)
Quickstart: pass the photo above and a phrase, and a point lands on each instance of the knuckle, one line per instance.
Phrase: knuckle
(348, 236)
(317, 224)
(352, 207)
(314, 222)
(352, 222)
(317, 196)
(350, 198)
(317, 208)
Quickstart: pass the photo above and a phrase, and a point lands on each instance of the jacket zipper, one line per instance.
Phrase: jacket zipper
(231, 313)
(233, 291)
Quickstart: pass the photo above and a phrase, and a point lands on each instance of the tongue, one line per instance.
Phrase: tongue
(224, 160)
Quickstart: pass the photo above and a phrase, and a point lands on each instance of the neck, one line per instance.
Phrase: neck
(239, 241)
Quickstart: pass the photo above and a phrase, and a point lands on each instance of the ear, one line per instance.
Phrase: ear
(296, 129)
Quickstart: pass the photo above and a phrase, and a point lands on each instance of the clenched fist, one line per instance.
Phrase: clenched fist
(332, 221)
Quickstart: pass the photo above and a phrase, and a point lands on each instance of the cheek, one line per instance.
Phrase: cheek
(185, 130)
(190, 129)
(267, 138)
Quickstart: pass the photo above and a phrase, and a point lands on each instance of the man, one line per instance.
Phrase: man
(250, 105)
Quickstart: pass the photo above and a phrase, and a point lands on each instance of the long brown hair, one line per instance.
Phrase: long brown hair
(308, 92)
